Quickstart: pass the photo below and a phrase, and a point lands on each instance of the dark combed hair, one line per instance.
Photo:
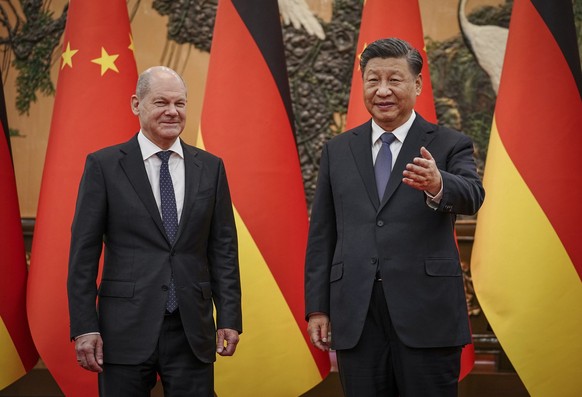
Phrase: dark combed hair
(392, 48)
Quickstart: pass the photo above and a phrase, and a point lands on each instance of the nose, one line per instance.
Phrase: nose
(384, 89)
(171, 109)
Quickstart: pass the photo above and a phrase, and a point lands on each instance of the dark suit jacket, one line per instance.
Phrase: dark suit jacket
(352, 234)
(116, 207)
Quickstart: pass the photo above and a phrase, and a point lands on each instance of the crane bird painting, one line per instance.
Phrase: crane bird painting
(486, 42)
(297, 13)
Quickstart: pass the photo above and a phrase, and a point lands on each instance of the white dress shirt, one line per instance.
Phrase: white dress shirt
(175, 164)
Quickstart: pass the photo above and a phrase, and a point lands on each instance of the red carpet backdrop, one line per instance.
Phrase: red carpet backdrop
(396, 18)
(17, 352)
(92, 110)
(527, 258)
(247, 120)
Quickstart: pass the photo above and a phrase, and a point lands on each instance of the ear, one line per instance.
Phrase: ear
(135, 105)
(418, 84)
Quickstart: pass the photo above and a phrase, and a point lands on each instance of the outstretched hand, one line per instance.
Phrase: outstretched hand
(423, 174)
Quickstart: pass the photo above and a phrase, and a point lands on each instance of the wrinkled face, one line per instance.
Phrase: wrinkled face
(162, 110)
(390, 91)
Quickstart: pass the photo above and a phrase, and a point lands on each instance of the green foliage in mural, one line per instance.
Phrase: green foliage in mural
(31, 41)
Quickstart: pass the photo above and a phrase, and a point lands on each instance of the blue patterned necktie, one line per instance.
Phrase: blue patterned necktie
(383, 165)
(169, 218)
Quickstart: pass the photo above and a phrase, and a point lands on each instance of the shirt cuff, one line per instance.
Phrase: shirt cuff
(434, 201)
(88, 333)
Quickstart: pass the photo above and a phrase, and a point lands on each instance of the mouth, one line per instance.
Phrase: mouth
(385, 105)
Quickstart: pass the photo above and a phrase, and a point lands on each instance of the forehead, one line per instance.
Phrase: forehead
(166, 85)
(387, 65)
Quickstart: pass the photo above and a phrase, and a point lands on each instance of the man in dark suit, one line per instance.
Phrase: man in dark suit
(162, 210)
(383, 275)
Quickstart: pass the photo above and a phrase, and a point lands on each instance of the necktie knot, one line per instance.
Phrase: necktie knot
(388, 138)
(164, 155)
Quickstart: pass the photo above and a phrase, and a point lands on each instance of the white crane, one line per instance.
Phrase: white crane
(297, 12)
(487, 42)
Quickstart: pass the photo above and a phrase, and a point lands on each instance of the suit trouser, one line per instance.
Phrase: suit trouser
(381, 365)
(181, 373)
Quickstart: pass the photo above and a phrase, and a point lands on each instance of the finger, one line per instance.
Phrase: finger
(425, 153)
(220, 343)
(229, 349)
(91, 363)
(99, 354)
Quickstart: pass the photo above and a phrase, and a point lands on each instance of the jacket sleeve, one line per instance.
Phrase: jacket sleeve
(321, 242)
(87, 233)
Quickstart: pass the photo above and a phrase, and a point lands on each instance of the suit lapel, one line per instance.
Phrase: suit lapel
(361, 147)
(420, 134)
(133, 166)
(193, 171)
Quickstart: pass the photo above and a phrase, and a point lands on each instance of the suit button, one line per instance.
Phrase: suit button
(380, 223)
(373, 261)
(172, 252)
(164, 287)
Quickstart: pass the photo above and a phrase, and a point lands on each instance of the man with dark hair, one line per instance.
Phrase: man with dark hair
(383, 282)
(162, 210)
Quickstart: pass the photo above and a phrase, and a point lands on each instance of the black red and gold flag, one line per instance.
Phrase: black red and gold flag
(527, 257)
(247, 120)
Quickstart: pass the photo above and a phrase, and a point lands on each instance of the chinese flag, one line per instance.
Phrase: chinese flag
(527, 258)
(396, 18)
(92, 109)
(18, 353)
(247, 120)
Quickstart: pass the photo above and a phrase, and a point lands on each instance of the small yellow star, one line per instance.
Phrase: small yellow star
(106, 61)
(131, 47)
(68, 56)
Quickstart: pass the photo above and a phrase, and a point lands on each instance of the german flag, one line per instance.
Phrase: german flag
(18, 353)
(527, 258)
(247, 120)
(92, 110)
(396, 18)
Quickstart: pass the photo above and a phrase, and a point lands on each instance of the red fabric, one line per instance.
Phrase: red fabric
(91, 111)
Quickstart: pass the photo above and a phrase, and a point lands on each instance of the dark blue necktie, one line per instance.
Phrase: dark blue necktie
(169, 218)
(383, 165)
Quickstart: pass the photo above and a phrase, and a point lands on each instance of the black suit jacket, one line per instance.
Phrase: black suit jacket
(116, 208)
(352, 234)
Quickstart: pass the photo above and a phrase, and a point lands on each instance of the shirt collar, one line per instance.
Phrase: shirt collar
(148, 148)
(400, 133)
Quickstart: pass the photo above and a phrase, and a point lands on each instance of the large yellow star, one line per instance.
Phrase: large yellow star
(106, 61)
(131, 47)
(67, 56)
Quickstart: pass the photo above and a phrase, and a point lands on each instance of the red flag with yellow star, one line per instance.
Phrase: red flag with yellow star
(396, 18)
(92, 110)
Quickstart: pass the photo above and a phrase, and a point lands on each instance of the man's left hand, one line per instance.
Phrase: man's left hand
(423, 174)
(226, 341)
